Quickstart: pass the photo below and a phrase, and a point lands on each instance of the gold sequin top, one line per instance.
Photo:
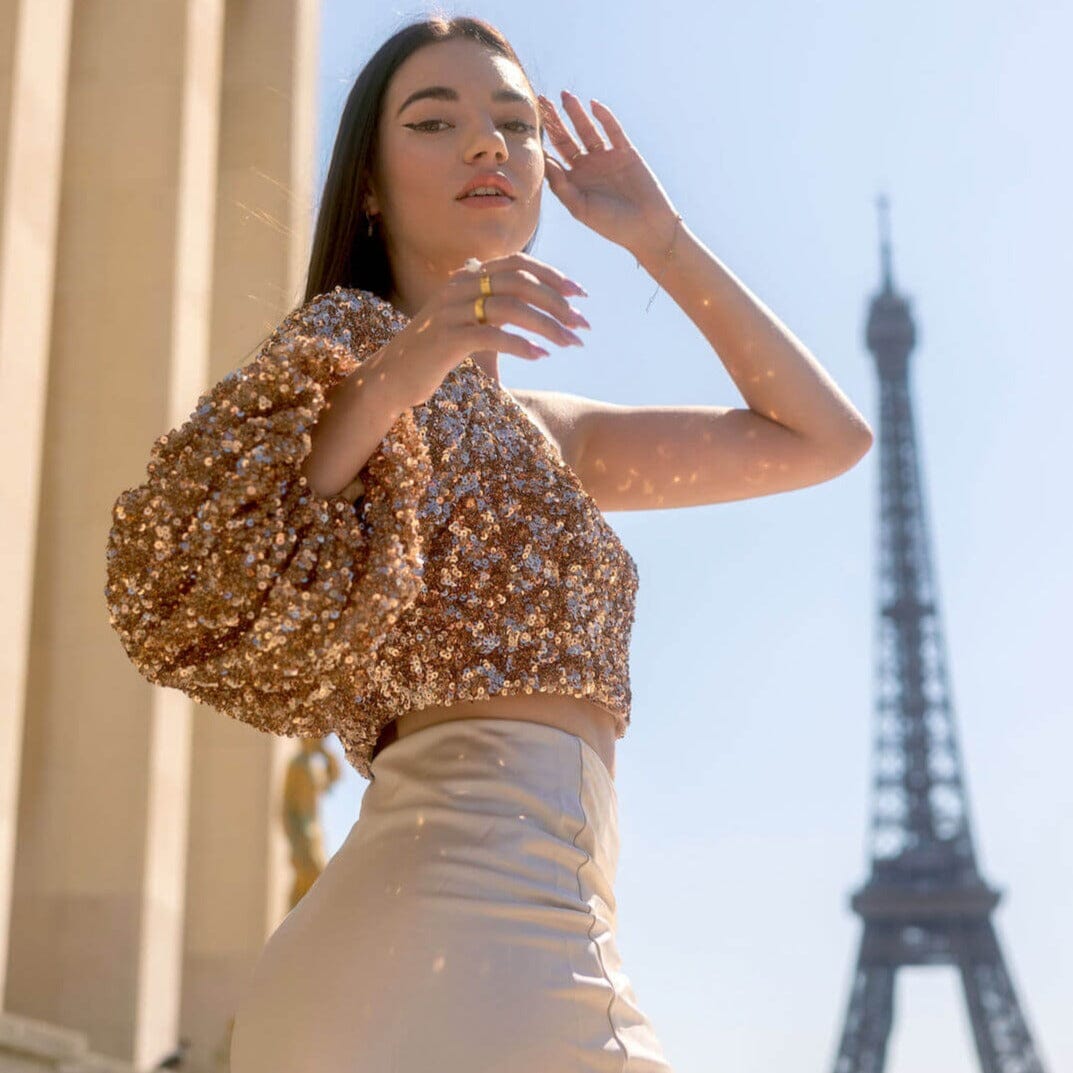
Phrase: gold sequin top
(471, 563)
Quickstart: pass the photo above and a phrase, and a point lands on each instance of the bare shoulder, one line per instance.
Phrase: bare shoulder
(559, 415)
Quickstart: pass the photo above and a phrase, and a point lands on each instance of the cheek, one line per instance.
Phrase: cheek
(417, 178)
(535, 167)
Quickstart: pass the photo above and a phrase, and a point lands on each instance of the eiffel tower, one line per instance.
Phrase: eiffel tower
(925, 902)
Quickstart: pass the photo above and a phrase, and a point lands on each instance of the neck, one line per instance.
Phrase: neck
(488, 360)
(412, 297)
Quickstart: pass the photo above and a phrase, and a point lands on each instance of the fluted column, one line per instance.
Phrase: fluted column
(155, 219)
(239, 870)
(34, 40)
(99, 878)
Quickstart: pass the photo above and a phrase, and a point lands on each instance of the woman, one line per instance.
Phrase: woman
(459, 612)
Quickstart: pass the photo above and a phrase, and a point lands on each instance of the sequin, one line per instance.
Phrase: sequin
(471, 563)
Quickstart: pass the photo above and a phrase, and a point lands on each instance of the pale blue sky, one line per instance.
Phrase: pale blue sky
(744, 780)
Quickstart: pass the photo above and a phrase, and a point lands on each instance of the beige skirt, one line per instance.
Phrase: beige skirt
(466, 925)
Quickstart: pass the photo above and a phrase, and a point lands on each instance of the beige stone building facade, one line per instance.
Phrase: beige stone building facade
(156, 190)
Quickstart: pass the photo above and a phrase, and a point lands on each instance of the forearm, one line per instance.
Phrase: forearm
(362, 408)
(776, 374)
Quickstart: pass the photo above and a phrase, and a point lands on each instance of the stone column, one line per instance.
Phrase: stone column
(155, 219)
(99, 877)
(34, 41)
(239, 870)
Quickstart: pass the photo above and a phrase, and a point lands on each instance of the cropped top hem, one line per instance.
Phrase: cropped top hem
(381, 739)
(471, 562)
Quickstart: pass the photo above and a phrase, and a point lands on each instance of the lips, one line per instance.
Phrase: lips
(498, 182)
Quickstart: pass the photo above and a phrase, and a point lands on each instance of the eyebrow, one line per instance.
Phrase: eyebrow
(445, 93)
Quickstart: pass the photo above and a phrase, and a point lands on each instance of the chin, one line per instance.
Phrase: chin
(486, 251)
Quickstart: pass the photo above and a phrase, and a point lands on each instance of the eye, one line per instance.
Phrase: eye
(425, 124)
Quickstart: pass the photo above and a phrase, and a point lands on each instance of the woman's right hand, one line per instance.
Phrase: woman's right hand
(525, 292)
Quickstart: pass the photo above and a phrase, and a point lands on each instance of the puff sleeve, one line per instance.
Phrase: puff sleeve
(228, 578)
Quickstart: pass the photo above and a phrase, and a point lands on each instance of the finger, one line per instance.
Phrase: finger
(593, 139)
(488, 337)
(527, 287)
(524, 262)
(537, 306)
(524, 299)
(508, 309)
(560, 183)
(561, 138)
(614, 129)
(519, 298)
(469, 267)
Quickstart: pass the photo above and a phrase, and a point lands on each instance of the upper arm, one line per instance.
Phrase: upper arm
(230, 579)
(659, 457)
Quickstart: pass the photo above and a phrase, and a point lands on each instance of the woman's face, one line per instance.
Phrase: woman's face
(431, 147)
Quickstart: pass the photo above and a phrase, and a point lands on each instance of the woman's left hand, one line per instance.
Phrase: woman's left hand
(608, 188)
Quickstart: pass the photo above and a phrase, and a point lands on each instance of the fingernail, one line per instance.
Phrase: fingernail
(580, 290)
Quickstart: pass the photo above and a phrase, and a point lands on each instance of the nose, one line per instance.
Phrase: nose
(488, 136)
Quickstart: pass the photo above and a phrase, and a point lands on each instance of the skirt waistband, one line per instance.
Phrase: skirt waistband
(503, 768)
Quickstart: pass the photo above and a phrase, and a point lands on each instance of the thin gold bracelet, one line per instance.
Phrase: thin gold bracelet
(668, 254)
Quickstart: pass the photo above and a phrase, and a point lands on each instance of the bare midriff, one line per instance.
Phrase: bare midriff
(594, 725)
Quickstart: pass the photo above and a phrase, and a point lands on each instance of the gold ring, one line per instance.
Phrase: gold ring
(486, 283)
(478, 308)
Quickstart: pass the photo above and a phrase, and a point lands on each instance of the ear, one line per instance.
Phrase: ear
(372, 202)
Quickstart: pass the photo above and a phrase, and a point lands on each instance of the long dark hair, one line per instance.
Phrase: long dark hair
(343, 252)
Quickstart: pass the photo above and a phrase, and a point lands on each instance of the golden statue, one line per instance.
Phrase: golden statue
(306, 779)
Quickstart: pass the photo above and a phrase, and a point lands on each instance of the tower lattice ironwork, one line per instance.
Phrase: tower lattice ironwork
(925, 902)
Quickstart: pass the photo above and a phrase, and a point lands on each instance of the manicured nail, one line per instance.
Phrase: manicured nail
(580, 290)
